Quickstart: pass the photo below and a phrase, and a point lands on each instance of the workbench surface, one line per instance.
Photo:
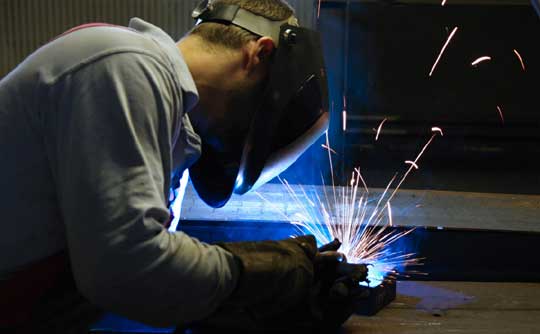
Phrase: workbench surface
(432, 307)
(456, 307)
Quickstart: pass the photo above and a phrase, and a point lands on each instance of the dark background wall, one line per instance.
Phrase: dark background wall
(379, 55)
(27, 24)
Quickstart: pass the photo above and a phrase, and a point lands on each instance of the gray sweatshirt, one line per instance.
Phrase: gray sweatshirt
(88, 127)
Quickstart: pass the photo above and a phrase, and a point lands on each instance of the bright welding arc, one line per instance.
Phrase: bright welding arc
(349, 216)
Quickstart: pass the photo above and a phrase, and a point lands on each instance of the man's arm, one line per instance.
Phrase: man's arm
(109, 143)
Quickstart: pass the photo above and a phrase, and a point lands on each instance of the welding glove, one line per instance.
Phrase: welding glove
(336, 291)
(287, 285)
(275, 277)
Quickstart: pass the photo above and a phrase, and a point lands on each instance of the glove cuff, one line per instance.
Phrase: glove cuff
(275, 276)
(271, 270)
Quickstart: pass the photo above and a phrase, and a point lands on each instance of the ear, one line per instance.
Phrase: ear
(257, 53)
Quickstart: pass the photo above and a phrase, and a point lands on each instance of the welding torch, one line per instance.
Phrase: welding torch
(349, 275)
(329, 252)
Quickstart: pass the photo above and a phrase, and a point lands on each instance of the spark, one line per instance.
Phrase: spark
(344, 113)
(357, 170)
(443, 2)
(362, 224)
(379, 129)
(437, 129)
(412, 166)
(443, 49)
(480, 60)
(412, 163)
(390, 215)
(500, 114)
(331, 164)
(520, 59)
(328, 148)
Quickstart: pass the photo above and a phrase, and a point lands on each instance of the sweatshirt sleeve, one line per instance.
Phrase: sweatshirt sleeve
(109, 139)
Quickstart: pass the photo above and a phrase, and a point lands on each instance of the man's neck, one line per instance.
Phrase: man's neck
(214, 71)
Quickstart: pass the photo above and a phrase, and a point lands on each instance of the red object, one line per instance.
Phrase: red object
(24, 289)
(171, 218)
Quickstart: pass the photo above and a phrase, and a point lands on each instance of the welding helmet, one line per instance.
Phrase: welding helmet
(291, 116)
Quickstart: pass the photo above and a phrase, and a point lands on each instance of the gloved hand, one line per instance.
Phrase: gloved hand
(275, 277)
(336, 286)
(289, 285)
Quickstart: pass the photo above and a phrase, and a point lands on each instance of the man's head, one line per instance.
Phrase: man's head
(229, 65)
(262, 93)
(233, 37)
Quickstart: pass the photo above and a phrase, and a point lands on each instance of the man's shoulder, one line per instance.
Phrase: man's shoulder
(89, 44)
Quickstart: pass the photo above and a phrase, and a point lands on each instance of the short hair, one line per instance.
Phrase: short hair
(234, 37)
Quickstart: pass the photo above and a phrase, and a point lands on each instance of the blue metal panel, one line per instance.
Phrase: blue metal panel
(536, 5)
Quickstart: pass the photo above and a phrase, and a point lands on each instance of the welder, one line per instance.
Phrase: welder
(95, 129)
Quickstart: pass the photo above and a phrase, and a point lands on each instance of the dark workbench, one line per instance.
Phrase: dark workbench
(437, 307)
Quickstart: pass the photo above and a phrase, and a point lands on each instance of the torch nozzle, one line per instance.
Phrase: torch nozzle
(332, 246)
